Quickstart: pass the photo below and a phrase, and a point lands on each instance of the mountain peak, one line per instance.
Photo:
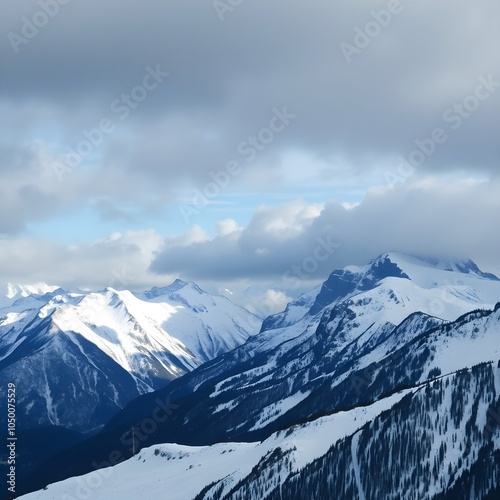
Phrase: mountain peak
(385, 266)
(414, 265)
(174, 287)
(425, 272)
(16, 293)
(18, 290)
(345, 281)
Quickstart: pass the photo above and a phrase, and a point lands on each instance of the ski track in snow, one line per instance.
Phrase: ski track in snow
(355, 463)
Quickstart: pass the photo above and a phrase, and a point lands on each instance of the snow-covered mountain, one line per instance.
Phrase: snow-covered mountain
(404, 331)
(84, 355)
(433, 441)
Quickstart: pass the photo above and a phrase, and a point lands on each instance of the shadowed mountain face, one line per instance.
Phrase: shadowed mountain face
(392, 325)
(343, 282)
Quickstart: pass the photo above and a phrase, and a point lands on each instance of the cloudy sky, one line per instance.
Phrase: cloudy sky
(239, 142)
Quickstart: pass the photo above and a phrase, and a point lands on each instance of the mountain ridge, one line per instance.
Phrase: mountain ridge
(143, 340)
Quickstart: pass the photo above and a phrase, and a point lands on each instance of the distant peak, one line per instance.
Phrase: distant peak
(176, 286)
(17, 290)
(450, 264)
(426, 272)
(179, 283)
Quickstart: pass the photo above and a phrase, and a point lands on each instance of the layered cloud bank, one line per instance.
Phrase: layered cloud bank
(290, 245)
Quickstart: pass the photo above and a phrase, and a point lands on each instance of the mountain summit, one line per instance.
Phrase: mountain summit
(451, 285)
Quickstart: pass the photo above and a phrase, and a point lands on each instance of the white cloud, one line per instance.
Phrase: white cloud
(454, 217)
(284, 248)
(227, 226)
(272, 301)
(120, 261)
(352, 123)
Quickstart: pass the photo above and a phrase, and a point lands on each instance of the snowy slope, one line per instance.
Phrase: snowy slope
(209, 324)
(388, 290)
(365, 320)
(374, 311)
(294, 311)
(435, 439)
(181, 472)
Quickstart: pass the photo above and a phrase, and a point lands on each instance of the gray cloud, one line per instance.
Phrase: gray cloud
(288, 247)
(120, 261)
(226, 77)
(280, 243)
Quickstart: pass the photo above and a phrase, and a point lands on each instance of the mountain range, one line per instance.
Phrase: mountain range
(383, 382)
(79, 357)
(85, 355)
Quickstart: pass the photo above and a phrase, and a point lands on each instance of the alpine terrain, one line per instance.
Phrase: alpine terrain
(83, 356)
(384, 382)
